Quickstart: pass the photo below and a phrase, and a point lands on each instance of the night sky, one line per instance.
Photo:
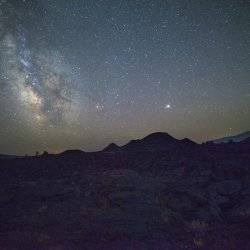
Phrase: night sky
(82, 73)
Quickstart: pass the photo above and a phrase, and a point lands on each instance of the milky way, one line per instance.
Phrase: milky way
(39, 81)
(81, 74)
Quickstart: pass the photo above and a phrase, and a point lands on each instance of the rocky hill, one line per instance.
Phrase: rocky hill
(153, 193)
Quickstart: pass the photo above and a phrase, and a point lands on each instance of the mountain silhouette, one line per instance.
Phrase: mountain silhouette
(157, 142)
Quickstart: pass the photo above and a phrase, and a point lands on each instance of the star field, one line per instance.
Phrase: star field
(82, 74)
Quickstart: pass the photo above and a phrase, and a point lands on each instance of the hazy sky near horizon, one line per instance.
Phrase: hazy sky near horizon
(82, 74)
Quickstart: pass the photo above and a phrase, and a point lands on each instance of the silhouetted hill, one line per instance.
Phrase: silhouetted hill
(157, 142)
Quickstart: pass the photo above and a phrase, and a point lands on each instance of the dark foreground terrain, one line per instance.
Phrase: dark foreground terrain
(154, 193)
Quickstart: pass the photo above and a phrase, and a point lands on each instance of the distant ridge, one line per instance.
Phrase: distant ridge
(158, 140)
(72, 152)
(153, 142)
(2, 156)
(234, 138)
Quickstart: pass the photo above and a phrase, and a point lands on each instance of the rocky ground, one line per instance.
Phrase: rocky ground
(192, 198)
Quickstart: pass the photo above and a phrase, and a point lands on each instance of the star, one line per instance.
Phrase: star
(167, 106)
